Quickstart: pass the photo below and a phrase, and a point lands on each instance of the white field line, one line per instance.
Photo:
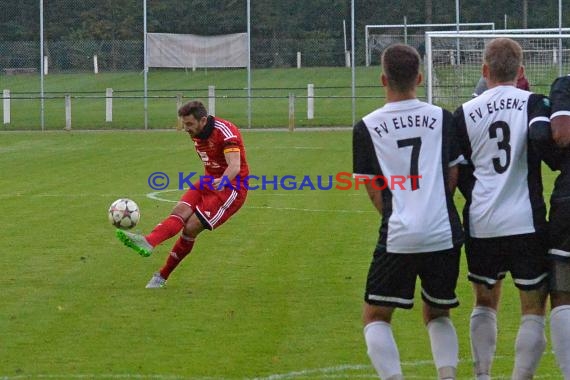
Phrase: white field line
(366, 371)
(156, 195)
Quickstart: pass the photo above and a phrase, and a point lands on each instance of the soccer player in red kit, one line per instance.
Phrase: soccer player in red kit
(208, 203)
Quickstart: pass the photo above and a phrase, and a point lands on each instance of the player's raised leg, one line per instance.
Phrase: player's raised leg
(179, 251)
(169, 227)
(135, 241)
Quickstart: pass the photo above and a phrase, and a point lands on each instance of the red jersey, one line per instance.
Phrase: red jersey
(220, 136)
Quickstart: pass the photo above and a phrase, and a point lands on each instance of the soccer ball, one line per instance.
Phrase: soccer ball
(124, 213)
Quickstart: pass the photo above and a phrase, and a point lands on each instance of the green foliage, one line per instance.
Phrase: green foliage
(278, 29)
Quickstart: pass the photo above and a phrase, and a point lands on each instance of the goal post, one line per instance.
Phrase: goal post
(453, 61)
(378, 37)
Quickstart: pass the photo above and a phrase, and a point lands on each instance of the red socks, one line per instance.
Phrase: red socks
(168, 228)
(181, 249)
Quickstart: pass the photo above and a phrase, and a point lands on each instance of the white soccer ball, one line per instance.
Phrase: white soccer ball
(124, 213)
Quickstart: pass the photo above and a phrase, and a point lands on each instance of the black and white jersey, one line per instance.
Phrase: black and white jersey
(493, 128)
(408, 147)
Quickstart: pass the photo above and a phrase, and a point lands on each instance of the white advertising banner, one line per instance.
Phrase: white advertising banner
(194, 51)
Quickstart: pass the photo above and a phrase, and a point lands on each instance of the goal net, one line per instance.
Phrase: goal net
(453, 61)
(379, 37)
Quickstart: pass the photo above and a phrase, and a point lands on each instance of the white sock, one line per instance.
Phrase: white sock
(382, 350)
(529, 346)
(444, 346)
(483, 329)
(560, 335)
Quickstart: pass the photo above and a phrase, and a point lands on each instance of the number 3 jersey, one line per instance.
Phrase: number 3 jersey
(408, 147)
(493, 129)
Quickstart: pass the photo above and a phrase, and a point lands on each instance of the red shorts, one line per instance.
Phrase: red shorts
(214, 207)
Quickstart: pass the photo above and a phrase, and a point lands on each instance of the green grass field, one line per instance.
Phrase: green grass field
(269, 103)
(274, 294)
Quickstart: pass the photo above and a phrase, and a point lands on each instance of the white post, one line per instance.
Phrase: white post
(310, 101)
(67, 112)
(298, 59)
(405, 30)
(212, 100)
(45, 65)
(145, 71)
(347, 58)
(42, 100)
(429, 78)
(193, 63)
(366, 46)
(95, 65)
(179, 126)
(291, 112)
(248, 12)
(554, 56)
(6, 103)
(109, 105)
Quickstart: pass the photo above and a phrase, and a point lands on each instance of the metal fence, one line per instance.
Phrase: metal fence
(85, 53)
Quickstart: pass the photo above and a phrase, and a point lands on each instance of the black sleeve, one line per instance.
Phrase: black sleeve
(450, 126)
(539, 132)
(466, 180)
(461, 133)
(364, 159)
(560, 94)
(539, 118)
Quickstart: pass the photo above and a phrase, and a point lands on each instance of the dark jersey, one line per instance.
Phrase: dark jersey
(401, 140)
(506, 197)
(558, 158)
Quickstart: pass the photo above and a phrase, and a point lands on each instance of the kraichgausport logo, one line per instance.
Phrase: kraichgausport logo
(338, 181)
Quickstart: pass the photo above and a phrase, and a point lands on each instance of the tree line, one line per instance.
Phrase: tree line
(320, 29)
(123, 19)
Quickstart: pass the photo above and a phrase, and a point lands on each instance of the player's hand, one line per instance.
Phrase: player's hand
(216, 184)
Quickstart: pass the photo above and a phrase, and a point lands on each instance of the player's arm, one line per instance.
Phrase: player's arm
(365, 162)
(560, 117)
(233, 159)
(453, 174)
(375, 195)
(454, 149)
(561, 130)
(540, 130)
(465, 177)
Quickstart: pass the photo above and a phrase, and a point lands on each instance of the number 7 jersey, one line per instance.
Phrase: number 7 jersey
(407, 147)
(493, 130)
